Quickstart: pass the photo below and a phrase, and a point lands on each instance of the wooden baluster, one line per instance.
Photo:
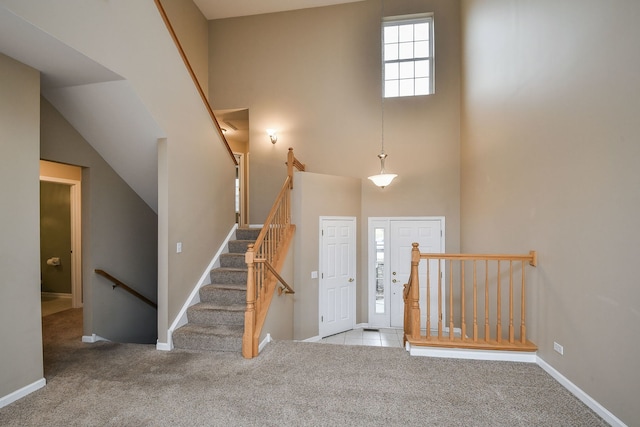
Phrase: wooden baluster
(248, 349)
(511, 333)
(428, 298)
(463, 321)
(440, 298)
(475, 303)
(487, 331)
(415, 292)
(499, 320)
(451, 300)
(523, 328)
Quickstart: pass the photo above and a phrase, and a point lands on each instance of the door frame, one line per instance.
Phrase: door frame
(384, 320)
(243, 179)
(75, 192)
(353, 290)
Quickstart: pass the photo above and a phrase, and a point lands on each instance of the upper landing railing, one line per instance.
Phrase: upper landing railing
(469, 301)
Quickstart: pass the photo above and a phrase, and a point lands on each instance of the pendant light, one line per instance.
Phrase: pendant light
(383, 178)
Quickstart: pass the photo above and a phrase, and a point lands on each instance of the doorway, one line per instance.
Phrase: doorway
(60, 229)
(390, 244)
(337, 284)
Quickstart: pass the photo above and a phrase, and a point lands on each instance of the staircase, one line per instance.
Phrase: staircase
(216, 323)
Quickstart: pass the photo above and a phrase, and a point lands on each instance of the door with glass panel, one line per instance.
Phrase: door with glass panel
(390, 243)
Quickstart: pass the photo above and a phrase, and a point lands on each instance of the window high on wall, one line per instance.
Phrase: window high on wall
(407, 55)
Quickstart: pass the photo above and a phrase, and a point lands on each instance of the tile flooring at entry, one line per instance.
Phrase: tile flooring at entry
(383, 337)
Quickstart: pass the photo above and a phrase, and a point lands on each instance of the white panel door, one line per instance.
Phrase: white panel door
(428, 234)
(338, 276)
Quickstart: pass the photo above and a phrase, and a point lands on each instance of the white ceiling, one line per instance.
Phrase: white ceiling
(217, 9)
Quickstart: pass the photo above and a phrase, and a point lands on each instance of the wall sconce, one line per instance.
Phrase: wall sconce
(272, 134)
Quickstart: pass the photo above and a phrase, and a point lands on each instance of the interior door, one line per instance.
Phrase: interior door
(428, 234)
(338, 276)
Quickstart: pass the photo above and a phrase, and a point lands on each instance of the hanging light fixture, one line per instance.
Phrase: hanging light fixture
(383, 178)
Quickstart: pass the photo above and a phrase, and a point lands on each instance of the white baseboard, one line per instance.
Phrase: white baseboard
(93, 338)
(264, 342)
(19, 394)
(580, 394)
(163, 346)
(56, 295)
(452, 353)
(312, 339)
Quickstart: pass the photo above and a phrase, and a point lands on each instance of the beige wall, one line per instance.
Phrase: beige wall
(20, 322)
(315, 195)
(119, 235)
(191, 27)
(279, 321)
(314, 75)
(550, 156)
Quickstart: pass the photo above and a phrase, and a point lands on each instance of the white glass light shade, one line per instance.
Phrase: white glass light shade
(383, 179)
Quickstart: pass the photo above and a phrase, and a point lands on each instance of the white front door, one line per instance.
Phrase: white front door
(338, 275)
(390, 264)
(427, 234)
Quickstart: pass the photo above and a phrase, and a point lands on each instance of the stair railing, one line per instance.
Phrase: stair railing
(486, 288)
(117, 283)
(265, 258)
(192, 73)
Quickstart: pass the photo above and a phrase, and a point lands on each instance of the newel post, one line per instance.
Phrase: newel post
(415, 293)
(290, 161)
(248, 350)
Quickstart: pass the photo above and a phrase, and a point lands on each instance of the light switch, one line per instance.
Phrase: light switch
(314, 274)
(178, 247)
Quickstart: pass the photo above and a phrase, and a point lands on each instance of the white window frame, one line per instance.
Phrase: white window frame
(399, 21)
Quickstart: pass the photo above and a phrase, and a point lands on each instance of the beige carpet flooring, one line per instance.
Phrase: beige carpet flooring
(289, 384)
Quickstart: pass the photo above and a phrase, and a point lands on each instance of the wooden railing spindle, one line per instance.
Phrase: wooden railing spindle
(511, 332)
(487, 331)
(463, 322)
(475, 303)
(451, 300)
(499, 305)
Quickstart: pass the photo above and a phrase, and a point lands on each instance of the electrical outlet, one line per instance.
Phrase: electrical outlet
(557, 347)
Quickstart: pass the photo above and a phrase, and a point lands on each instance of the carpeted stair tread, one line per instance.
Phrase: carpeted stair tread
(239, 246)
(210, 338)
(229, 275)
(224, 294)
(226, 286)
(233, 260)
(247, 233)
(204, 306)
(205, 313)
(217, 330)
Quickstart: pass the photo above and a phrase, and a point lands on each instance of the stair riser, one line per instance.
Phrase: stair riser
(219, 276)
(244, 234)
(215, 317)
(208, 343)
(232, 261)
(223, 296)
(238, 246)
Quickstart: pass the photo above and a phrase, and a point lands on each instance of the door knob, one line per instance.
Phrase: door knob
(350, 279)
(394, 280)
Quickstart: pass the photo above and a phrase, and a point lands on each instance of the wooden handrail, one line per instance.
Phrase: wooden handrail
(285, 286)
(192, 73)
(460, 333)
(118, 283)
(264, 258)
